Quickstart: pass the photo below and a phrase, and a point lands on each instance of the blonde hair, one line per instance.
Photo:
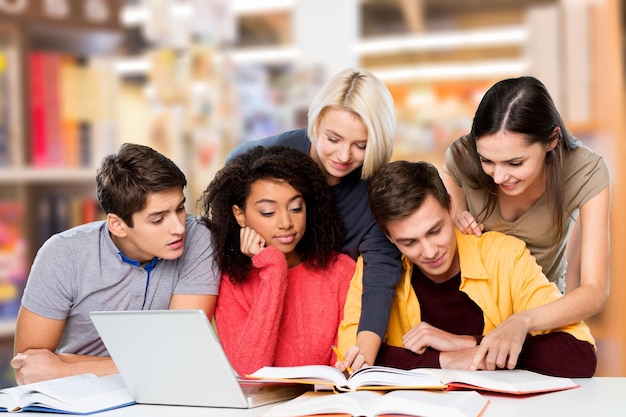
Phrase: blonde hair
(365, 95)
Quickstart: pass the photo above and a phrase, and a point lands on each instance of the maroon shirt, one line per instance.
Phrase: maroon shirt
(447, 308)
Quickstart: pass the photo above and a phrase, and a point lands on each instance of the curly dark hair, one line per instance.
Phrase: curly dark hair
(232, 185)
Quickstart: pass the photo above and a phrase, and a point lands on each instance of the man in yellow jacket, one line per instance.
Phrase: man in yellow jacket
(456, 288)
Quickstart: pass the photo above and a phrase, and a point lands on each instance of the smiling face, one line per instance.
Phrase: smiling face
(158, 230)
(341, 143)
(276, 211)
(516, 166)
(426, 237)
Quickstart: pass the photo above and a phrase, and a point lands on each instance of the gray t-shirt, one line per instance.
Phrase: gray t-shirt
(81, 270)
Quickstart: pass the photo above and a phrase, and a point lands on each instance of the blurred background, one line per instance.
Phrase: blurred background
(194, 78)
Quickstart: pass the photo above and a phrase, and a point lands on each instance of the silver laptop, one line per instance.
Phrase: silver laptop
(174, 357)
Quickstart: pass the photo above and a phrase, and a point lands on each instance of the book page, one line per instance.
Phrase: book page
(352, 403)
(430, 403)
(318, 374)
(372, 403)
(380, 377)
(80, 393)
(9, 397)
(512, 381)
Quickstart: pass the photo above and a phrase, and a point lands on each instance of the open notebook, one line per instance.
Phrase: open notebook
(174, 357)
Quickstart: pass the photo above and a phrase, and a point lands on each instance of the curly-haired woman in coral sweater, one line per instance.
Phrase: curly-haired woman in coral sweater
(276, 237)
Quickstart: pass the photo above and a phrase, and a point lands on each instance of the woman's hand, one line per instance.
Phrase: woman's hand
(353, 361)
(251, 243)
(467, 224)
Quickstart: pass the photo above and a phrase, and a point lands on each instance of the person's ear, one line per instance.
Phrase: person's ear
(451, 208)
(239, 215)
(117, 226)
(556, 133)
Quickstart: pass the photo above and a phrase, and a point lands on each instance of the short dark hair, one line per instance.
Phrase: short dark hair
(232, 185)
(400, 188)
(125, 179)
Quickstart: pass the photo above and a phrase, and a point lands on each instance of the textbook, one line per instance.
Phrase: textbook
(508, 381)
(78, 394)
(376, 403)
(368, 378)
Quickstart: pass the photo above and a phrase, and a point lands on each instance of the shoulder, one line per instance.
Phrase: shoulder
(585, 174)
(297, 139)
(344, 264)
(193, 226)
(450, 166)
(490, 243)
(82, 236)
(583, 161)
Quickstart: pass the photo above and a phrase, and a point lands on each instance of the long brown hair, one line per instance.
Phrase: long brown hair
(520, 105)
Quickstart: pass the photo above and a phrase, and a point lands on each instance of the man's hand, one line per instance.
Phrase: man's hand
(460, 359)
(34, 365)
(501, 347)
(424, 336)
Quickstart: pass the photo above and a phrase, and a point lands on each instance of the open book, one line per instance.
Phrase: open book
(375, 403)
(514, 381)
(79, 394)
(369, 378)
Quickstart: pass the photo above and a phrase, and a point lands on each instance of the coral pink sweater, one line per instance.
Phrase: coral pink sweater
(282, 316)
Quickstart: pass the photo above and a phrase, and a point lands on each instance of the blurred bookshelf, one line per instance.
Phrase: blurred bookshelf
(56, 96)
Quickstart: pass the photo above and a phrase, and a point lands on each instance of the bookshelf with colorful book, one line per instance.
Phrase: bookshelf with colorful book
(56, 66)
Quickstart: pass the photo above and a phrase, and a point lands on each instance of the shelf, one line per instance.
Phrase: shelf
(7, 328)
(9, 176)
(443, 40)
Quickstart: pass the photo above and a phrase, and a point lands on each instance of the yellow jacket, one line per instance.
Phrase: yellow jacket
(497, 272)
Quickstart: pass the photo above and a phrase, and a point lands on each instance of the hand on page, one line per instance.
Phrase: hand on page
(501, 347)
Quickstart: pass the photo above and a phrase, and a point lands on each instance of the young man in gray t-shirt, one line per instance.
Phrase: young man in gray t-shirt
(148, 254)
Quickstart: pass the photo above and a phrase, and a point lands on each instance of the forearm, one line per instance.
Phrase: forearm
(36, 365)
(248, 318)
(369, 343)
(249, 338)
(578, 305)
(378, 291)
(99, 365)
(558, 354)
(382, 269)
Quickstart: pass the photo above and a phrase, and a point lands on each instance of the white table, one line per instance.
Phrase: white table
(605, 397)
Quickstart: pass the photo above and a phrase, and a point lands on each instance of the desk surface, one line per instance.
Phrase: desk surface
(604, 397)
